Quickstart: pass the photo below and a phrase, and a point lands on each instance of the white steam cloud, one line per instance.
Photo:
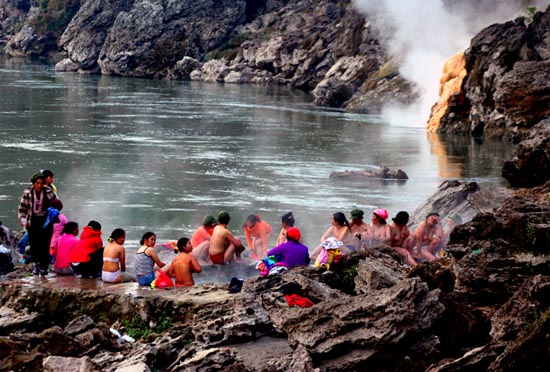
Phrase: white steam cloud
(423, 34)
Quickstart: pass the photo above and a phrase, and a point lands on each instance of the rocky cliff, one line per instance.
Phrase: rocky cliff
(322, 46)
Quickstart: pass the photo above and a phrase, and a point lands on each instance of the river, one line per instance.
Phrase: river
(157, 156)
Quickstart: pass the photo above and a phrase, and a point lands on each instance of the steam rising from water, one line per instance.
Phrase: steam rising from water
(423, 34)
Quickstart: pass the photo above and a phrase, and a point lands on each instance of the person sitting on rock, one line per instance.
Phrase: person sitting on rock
(293, 253)
(201, 239)
(63, 247)
(114, 259)
(257, 234)
(381, 232)
(183, 265)
(224, 247)
(287, 221)
(402, 240)
(341, 231)
(429, 236)
(146, 258)
(360, 230)
(87, 257)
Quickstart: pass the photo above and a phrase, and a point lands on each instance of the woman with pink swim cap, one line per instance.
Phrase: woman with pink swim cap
(381, 232)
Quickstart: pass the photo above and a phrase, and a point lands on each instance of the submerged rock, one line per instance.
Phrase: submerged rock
(384, 173)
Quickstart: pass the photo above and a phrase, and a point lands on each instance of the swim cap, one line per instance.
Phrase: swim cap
(223, 216)
(356, 214)
(293, 233)
(382, 213)
(209, 220)
(433, 213)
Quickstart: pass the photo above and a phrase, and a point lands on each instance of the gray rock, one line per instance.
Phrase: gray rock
(68, 364)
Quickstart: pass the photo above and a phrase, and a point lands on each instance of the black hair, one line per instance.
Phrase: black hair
(69, 227)
(94, 225)
(224, 219)
(380, 219)
(341, 219)
(182, 242)
(47, 173)
(146, 236)
(252, 218)
(117, 233)
(288, 219)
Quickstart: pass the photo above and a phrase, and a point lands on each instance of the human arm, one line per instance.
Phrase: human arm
(194, 263)
(122, 259)
(327, 234)
(153, 253)
(386, 236)
(248, 238)
(24, 208)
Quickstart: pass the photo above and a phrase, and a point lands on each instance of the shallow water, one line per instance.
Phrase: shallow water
(157, 156)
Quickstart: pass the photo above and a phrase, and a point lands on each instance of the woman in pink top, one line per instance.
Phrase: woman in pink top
(61, 250)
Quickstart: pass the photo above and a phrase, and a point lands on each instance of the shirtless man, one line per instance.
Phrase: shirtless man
(223, 245)
(428, 236)
(184, 264)
(360, 230)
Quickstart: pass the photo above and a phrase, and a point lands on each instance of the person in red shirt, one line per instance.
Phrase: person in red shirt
(257, 234)
(201, 239)
(87, 256)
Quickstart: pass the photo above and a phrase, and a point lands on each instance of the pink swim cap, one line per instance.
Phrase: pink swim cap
(382, 213)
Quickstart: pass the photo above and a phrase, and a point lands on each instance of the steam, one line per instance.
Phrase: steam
(423, 34)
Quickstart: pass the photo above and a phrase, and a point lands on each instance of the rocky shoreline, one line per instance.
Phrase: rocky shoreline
(483, 307)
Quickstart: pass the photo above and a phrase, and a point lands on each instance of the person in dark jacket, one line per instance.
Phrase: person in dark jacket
(33, 214)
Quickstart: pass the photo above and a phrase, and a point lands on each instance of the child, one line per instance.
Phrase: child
(87, 257)
(184, 264)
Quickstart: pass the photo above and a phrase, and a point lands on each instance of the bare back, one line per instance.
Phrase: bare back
(221, 239)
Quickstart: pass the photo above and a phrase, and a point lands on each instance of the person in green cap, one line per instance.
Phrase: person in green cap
(224, 247)
(429, 235)
(360, 230)
(201, 239)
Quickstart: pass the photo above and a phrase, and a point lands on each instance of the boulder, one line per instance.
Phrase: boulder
(68, 364)
(384, 173)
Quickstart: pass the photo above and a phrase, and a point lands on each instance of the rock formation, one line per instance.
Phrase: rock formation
(384, 173)
(505, 90)
(326, 47)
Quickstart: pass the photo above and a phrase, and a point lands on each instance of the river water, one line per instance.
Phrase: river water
(157, 156)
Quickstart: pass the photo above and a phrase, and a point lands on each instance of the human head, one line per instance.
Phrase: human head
(209, 220)
(147, 236)
(94, 225)
(223, 218)
(56, 203)
(432, 217)
(381, 214)
(38, 181)
(184, 245)
(70, 228)
(293, 234)
(287, 220)
(340, 219)
(118, 235)
(356, 214)
(401, 218)
(48, 176)
(251, 220)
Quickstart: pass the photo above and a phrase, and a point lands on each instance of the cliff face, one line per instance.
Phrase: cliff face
(506, 90)
(322, 46)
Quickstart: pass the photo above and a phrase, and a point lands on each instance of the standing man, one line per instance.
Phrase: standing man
(32, 214)
(223, 245)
